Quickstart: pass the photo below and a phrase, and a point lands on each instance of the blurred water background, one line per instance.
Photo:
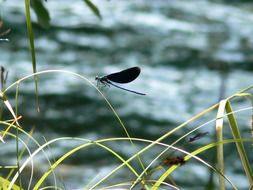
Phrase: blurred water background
(192, 53)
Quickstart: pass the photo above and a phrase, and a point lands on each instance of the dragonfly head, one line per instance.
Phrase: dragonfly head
(101, 80)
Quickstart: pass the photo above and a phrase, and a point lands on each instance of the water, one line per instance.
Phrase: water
(190, 54)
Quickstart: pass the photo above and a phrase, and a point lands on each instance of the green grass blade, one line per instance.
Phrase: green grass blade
(30, 137)
(219, 135)
(41, 13)
(94, 9)
(194, 155)
(32, 47)
(41, 180)
(153, 143)
(4, 183)
(11, 183)
(240, 147)
(85, 79)
(18, 156)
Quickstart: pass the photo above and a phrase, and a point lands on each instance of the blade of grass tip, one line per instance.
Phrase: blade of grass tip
(32, 48)
(239, 145)
(8, 105)
(219, 135)
(1, 139)
(94, 9)
(10, 125)
(42, 13)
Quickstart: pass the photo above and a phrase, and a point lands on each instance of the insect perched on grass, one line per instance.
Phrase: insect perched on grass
(124, 76)
(174, 161)
(197, 136)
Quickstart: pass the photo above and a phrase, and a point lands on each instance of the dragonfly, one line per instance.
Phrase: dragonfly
(198, 136)
(122, 77)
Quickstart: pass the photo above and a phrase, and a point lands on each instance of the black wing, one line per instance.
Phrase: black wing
(124, 76)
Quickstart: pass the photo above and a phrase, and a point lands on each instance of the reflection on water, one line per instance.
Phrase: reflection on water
(181, 47)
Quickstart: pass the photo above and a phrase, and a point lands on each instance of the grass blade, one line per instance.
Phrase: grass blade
(5, 183)
(41, 13)
(94, 9)
(219, 135)
(240, 147)
(32, 47)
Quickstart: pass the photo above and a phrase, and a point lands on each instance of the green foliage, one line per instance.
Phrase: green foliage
(41, 13)
(93, 8)
(4, 184)
(32, 47)
(140, 177)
